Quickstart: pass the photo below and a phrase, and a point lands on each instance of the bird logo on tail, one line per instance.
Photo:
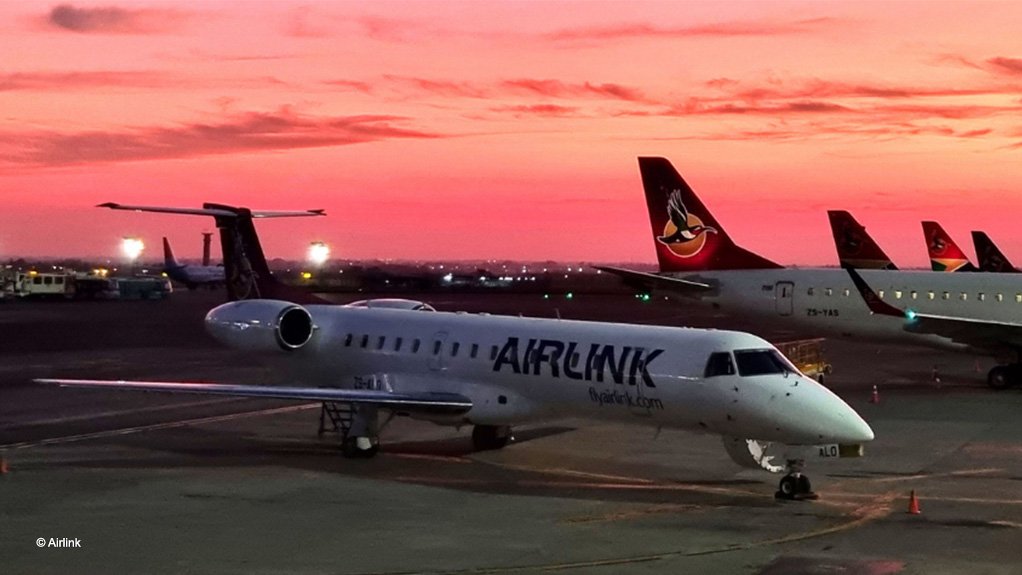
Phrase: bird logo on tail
(684, 233)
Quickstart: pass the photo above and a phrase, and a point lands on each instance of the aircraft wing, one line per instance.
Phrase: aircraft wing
(432, 403)
(646, 280)
(974, 332)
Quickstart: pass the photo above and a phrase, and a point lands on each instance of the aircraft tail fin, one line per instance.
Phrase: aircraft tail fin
(169, 261)
(686, 235)
(988, 257)
(855, 247)
(245, 269)
(945, 255)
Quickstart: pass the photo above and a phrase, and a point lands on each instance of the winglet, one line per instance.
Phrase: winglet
(873, 301)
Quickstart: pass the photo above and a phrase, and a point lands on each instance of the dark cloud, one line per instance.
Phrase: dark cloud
(114, 20)
(243, 133)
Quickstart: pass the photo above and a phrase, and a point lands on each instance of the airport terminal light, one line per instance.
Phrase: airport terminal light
(132, 248)
(319, 253)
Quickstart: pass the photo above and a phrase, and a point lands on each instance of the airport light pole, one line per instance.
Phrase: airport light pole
(132, 249)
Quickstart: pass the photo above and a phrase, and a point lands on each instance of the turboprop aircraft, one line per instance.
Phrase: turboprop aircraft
(710, 267)
(382, 358)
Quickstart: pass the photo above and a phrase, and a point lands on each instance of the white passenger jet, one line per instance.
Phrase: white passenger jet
(981, 312)
(381, 358)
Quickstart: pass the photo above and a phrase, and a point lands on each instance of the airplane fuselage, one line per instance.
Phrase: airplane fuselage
(826, 300)
(519, 369)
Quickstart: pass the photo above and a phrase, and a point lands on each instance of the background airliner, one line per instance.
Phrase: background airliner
(399, 357)
(983, 312)
(945, 255)
(191, 276)
(989, 257)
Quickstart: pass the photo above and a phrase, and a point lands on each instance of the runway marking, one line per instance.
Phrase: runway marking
(427, 457)
(85, 416)
(156, 426)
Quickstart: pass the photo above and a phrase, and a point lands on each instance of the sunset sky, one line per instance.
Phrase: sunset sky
(458, 130)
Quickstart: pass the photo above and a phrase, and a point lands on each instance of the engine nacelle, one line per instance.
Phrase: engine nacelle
(392, 303)
(261, 325)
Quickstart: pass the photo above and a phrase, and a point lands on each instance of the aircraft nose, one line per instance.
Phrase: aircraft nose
(837, 422)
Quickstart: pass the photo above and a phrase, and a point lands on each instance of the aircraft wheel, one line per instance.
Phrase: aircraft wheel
(788, 488)
(486, 437)
(999, 377)
(359, 447)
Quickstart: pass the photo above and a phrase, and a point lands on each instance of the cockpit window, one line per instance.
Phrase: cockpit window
(762, 362)
(720, 364)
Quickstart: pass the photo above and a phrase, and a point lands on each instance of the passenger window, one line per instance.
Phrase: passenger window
(981, 296)
(347, 340)
(475, 350)
(963, 296)
(415, 346)
(809, 291)
(913, 294)
(828, 292)
(454, 348)
(897, 294)
(1018, 298)
(1000, 297)
(945, 295)
(380, 342)
(365, 340)
(397, 344)
(719, 364)
(847, 292)
(880, 294)
(930, 295)
(436, 347)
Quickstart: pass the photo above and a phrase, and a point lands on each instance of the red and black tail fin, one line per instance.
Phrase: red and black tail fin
(245, 268)
(945, 255)
(855, 247)
(988, 257)
(686, 235)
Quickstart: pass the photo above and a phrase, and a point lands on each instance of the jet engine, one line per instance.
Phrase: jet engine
(261, 325)
(755, 454)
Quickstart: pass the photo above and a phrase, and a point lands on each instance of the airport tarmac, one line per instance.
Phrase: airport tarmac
(161, 484)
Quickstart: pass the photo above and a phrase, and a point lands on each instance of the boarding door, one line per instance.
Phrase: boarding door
(783, 296)
(437, 350)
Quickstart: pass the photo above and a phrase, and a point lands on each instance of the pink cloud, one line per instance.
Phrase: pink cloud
(241, 134)
(543, 110)
(73, 80)
(1012, 66)
(723, 29)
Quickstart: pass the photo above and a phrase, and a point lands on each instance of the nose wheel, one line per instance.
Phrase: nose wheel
(795, 485)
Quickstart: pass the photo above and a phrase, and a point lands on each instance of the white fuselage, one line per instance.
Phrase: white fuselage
(519, 369)
(828, 301)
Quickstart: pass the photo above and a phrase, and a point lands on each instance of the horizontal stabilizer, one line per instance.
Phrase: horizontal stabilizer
(433, 403)
(223, 213)
(645, 280)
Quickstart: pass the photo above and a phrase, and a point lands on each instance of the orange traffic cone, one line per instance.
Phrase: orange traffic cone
(875, 397)
(913, 504)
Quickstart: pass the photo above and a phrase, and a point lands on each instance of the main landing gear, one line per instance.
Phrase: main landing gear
(795, 485)
(487, 437)
(359, 426)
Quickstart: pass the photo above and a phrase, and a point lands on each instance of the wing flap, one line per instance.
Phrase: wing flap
(424, 402)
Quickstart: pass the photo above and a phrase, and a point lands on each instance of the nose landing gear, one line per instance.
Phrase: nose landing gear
(795, 485)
